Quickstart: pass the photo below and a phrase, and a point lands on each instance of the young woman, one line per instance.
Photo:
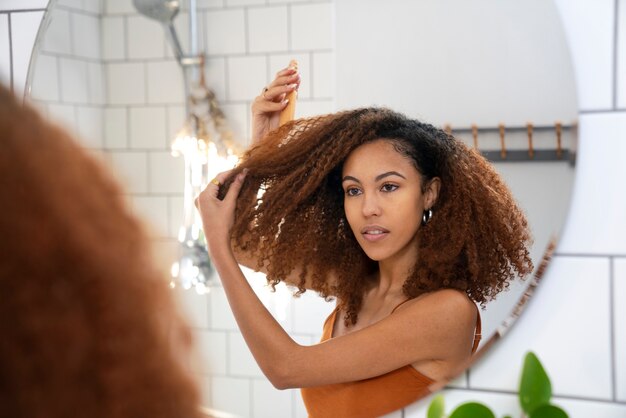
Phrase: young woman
(404, 225)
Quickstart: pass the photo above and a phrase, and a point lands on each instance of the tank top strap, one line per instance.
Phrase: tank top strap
(400, 304)
(478, 332)
(329, 324)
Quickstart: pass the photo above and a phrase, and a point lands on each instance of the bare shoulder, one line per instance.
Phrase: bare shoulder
(450, 308)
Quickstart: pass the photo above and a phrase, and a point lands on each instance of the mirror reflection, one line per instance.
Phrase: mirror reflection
(491, 64)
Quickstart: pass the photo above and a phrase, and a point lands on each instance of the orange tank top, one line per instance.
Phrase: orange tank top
(371, 397)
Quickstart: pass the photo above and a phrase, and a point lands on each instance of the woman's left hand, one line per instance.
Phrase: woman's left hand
(218, 215)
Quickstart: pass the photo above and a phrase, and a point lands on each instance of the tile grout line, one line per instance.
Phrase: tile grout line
(59, 80)
(615, 50)
(8, 12)
(125, 32)
(289, 31)
(246, 30)
(251, 396)
(612, 328)
(557, 396)
(600, 111)
(311, 80)
(589, 255)
(10, 53)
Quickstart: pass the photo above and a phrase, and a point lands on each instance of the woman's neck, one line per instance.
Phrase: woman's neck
(393, 271)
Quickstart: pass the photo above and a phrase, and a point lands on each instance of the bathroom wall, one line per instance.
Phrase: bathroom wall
(67, 82)
(575, 321)
(19, 24)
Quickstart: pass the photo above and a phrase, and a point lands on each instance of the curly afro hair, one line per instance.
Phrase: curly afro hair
(290, 215)
(87, 329)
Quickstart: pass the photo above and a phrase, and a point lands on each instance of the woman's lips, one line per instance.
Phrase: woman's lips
(374, 233)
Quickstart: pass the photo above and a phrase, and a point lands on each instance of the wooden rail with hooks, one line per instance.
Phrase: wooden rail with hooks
(532, 152)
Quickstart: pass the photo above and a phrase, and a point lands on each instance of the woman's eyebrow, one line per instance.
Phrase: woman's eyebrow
(378, 177)
(387, 174)
(346, 178)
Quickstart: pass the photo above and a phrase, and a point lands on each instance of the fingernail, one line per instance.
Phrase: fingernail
(285, 101)
(241, 176)
(245, 170)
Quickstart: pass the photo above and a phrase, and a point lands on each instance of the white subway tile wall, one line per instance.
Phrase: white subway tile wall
(126, 83)
(232, 394)
(175, 121)
(153, 211)
(63, 114)
(221, 316)
(240, 362)
(195, 307)
(89, 123)
(226, 31)
(45, 86)
(95, 80)
(572, 335)
(77, 4)
(115, 128)
(165, 81)
(58, 37)
(559, 326)
(323, 74)
(269, 402)
(132, 169)
(73, 82)
(210, 4)
(593, 54)
(267, 29)
(86, 35)
(245, 75)
(312, 26)
(147, 128)
(167, 174)
(608, 130)
(175, 210)
(113, 37)
(146, 38)
(118, 7)
(213, 352)
(19, 5)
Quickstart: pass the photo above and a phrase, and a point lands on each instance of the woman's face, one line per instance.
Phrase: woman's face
(383, 199)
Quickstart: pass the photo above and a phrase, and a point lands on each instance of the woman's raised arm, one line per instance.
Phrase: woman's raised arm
(438, 326)
(266, 109)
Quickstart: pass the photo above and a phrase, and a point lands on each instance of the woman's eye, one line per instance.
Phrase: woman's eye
(388, 187)
(352, 191)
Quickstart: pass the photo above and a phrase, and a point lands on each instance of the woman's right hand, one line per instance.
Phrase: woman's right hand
(267, 106)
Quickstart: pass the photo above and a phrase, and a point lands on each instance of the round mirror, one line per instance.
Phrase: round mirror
(497, 74)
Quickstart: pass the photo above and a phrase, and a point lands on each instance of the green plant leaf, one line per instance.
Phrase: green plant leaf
(436, 407)
(472, 410)
(548, 411)
(534, 388)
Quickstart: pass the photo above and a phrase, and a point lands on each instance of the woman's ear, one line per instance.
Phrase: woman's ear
(431, 193)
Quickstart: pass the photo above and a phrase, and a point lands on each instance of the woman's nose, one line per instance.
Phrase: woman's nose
(371, 206)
